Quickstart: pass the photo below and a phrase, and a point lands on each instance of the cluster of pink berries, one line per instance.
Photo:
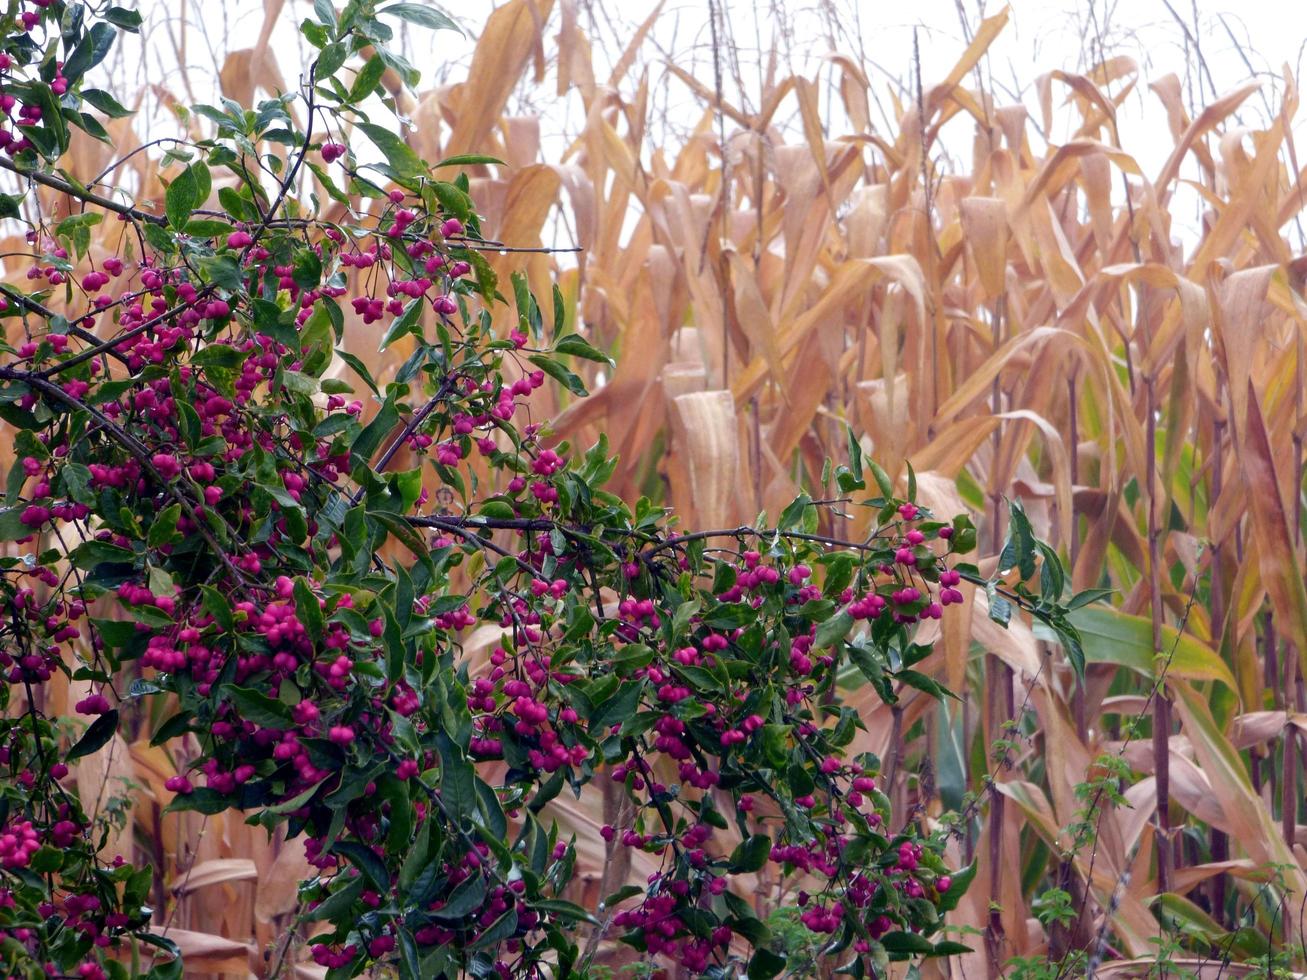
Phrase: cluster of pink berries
(665, 933)
(18, 842)
(308, 697)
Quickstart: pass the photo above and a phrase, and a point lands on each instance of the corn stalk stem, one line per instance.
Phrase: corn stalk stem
(1161, 706)
(1219, 842)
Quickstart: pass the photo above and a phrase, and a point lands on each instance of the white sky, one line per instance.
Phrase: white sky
(1236, 41)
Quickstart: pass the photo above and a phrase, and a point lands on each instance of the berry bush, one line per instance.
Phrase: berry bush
(207, 513)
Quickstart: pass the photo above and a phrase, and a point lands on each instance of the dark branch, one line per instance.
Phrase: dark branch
(82, 194)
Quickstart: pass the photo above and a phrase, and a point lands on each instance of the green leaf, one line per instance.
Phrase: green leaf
(332, 57)
(792, 516)
(487, 278)
(1069, 637)
(496, 509)
(106, 103)
(560, 374)
(175, 726)
(367, 78)
(469, 160)
(1052, 576)
(88, 554)
(182, 197)
(950, 948)
(499, 930)
(453, 199)
(301, 383)
(467, 897)
(400, 65)
(922, 682)
(264, 711)
(1110, 636)
(839, 573)
(404, 324)
(563, 910)
(866, 662)
(765, 964)
(882, 479)
(316, 338)
(168, 946)
(399, 154)
(681, 618)
(1089, 596)
(160, 583)
(212, 228)
(326, 12)
(142, 688)
(776, 742)
(409, 966)
(77, 483)
(962, 879)
(748, 925)
(366, 860)
(308, 609)
(423, 16)
(11, 526)
(457, 782)
(906, 943)
(399, 527)
(90, 125)
(164, 529)
(560, 311)
(269, 319)
(217, 606)
(121, 17)
(240, 208)
(47, 859)
(577, 346)
(522, 299)
(359, 368)
(339, 901)
(617, 708)
(621, 895)
(367, 441)
(200, 800)
(417, 860)
(855, 457)
(751, 855)
(1019, 549)
(97, 735)
(90, 51)
(730, 616)
(1000, 608)
(219, 356)
(833, 629)
(306, 268)
(296, 801)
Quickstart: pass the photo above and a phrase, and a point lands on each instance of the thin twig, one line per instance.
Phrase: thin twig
(81, 193)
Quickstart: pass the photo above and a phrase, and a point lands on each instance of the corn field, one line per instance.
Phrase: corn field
(1015, 321)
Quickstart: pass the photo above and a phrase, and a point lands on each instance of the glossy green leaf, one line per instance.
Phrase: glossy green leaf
(96, 735)
(1110, 636)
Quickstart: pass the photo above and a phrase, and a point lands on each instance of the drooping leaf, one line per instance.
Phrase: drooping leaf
(96, 735)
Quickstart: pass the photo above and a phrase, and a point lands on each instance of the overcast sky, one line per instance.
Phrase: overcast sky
(1211, 45)
(1235, 40)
